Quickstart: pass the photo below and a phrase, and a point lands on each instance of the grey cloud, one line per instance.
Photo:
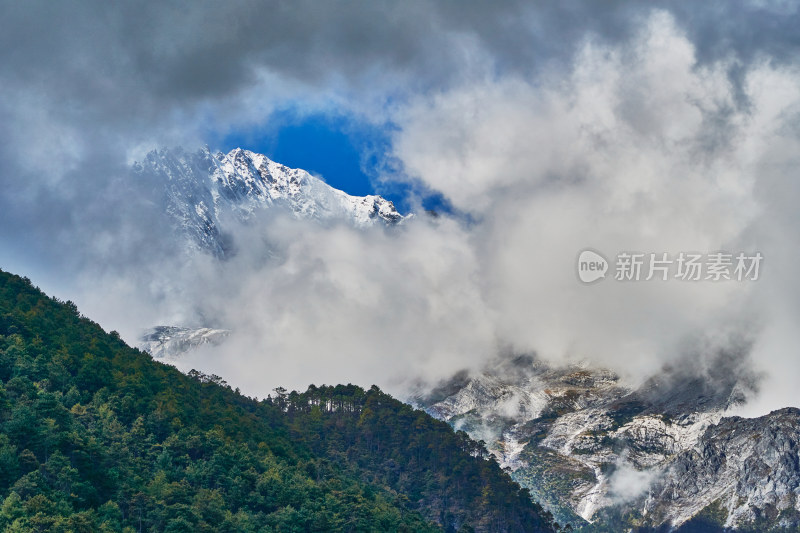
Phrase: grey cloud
(136, 58)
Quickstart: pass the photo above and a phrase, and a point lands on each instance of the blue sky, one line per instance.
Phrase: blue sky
(348, 154)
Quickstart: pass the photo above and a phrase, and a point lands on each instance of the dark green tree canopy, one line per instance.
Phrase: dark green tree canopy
(96, 436)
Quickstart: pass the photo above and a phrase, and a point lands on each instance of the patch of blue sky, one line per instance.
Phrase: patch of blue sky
(348, 154)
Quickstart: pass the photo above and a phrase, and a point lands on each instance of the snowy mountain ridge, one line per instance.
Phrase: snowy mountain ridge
(170, 342)
(202, 189)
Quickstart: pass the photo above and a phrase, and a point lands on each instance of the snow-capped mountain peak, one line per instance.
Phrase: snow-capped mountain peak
(201, 188)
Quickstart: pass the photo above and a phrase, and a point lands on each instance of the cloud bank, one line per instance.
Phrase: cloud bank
(621, 127)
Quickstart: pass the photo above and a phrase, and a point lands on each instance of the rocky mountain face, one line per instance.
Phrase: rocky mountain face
(603, 456)
(746, 472)
(203, 190)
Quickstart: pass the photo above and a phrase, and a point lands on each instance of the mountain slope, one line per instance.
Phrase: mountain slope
(96, 436)
(203, 190)
(662, 455)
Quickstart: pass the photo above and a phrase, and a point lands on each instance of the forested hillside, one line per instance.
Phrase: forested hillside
(96, 436)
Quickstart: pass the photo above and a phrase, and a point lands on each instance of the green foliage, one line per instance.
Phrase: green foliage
(453, 479)
(96, 436)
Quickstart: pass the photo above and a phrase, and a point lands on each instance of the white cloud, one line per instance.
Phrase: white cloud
(310, 303)
(627, 483)
(636, 148)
